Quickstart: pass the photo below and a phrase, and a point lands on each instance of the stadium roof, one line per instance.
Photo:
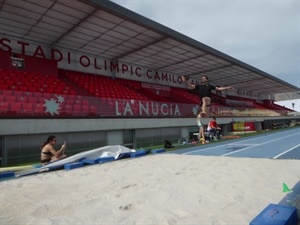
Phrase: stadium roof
(105, 29)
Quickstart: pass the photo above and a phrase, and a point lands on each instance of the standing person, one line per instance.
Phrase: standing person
(49, 154)
(201, 129)
(213, 128)
(204, 89)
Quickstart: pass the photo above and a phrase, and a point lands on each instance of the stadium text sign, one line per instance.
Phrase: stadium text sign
(85, 61)
(146, 108)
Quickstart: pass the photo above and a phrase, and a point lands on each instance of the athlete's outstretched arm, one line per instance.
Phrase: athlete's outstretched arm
(192, 86)
(224, 88)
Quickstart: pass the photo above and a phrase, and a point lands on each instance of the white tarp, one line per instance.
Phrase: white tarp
(111, 150)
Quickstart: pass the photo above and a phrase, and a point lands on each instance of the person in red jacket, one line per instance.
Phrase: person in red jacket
(213, 128)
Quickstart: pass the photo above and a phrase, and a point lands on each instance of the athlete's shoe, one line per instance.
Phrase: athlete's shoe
(202, 141)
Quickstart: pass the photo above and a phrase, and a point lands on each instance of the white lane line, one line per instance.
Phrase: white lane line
(200, 150)
(229, 153)
(234, 144)
(286, 151)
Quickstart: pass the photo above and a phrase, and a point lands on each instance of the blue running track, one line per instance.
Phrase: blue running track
(282, 144)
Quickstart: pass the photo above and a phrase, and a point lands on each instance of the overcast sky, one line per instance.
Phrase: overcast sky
(262, 33)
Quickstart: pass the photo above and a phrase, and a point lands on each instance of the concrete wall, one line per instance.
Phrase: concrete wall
(114, 137)
(20, 139)
(39, 126)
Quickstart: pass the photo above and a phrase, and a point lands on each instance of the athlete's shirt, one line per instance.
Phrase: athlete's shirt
(204, 90)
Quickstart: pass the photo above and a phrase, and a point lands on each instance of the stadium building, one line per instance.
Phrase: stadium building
(94, 73)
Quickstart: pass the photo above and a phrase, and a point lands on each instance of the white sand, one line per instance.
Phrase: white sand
(157, 190)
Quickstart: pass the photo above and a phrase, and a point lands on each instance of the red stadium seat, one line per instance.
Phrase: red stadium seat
(23, 88)
(39, 107)
(27, 107)
(21, 99)
(27, 93)
(69, 101)
(7, 92)
(47, 95)
(85, 108)
(32, 99)
(4, 106)
(15, 106)
(73, 92)
(38, 94)
(85, 102)
(18, 93)
(68, 108)
(10, 98)
(93, 109)
(3, 86)
(78, 101)
(32, 88)
(77, 107)
(2, 98)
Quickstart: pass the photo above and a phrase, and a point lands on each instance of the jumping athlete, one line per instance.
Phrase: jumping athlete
(204, 89)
